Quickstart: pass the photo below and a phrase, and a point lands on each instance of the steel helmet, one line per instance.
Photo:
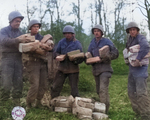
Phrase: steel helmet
(15, 14)
(100, 27)
(69, 29)
(132, 25)
(32, 22)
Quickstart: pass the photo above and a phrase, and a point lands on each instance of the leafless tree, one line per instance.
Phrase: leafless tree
(145, 10)
(30, 11)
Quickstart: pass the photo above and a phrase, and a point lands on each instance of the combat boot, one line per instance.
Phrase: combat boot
(38, 104)
(28, 107)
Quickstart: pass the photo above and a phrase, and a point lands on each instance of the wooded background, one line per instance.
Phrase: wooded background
(51, 14)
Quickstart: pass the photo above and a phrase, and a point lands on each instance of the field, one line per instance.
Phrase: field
(120, 108)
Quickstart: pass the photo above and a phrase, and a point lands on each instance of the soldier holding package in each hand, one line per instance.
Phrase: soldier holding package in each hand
(137, 79)
(102, 70)
(37, 69)
(66, 67)
(11, 61)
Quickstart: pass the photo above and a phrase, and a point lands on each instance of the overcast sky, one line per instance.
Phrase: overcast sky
(10, 5)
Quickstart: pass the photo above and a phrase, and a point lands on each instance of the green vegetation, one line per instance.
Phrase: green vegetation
(120, 108)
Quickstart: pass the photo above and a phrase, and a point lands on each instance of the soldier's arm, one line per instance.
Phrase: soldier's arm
(144, 48)
(5, 40)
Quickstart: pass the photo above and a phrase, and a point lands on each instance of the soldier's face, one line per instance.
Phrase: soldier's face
(68, 35)
(97, 33)
(35, 29)
(15, 23)
(133, 32)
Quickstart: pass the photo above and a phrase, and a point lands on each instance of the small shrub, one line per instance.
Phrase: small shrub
(85, 84)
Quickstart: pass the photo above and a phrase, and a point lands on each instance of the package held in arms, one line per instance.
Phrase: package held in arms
(26, 36)
(132, 54)
(93, 60)
(62, 57)
(75, 55)
(28, 47)
(104, 53)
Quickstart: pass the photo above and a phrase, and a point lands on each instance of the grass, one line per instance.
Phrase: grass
(120, 107)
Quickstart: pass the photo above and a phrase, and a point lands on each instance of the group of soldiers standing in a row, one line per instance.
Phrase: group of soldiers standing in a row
(11, 65)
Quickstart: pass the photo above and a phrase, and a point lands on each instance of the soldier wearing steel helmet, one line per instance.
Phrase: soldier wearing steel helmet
(102, 70)
(37, 69)
(66, 67)
(11, 62)
(137, 78)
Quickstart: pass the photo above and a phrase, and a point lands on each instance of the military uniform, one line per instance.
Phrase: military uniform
(102, 71)
(38, 73)
(11, 63)
(137, 78)
(66, 68)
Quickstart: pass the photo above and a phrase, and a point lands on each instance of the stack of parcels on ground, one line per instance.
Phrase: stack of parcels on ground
(132, 54)
(83, 108)
(46, 100)
(104, 54)
(34, 46)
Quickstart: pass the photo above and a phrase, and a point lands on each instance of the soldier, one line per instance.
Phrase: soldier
(137, 79)
(37, 70)
(11, 61)
(67, 68)
(102, 70)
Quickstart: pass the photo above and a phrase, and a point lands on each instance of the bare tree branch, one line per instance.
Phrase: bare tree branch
(142, 12)
(141, 6)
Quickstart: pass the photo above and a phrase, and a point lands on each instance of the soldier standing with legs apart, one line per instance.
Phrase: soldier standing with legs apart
(66, 67)
(102, 70)
(137, 78)
(37, 68)
(11, 62)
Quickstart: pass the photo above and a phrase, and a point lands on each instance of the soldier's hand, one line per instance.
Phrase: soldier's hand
(50, 43)
(137, 63)
(60, 57)
(44, 46)
(25, 38)
(88, 55)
